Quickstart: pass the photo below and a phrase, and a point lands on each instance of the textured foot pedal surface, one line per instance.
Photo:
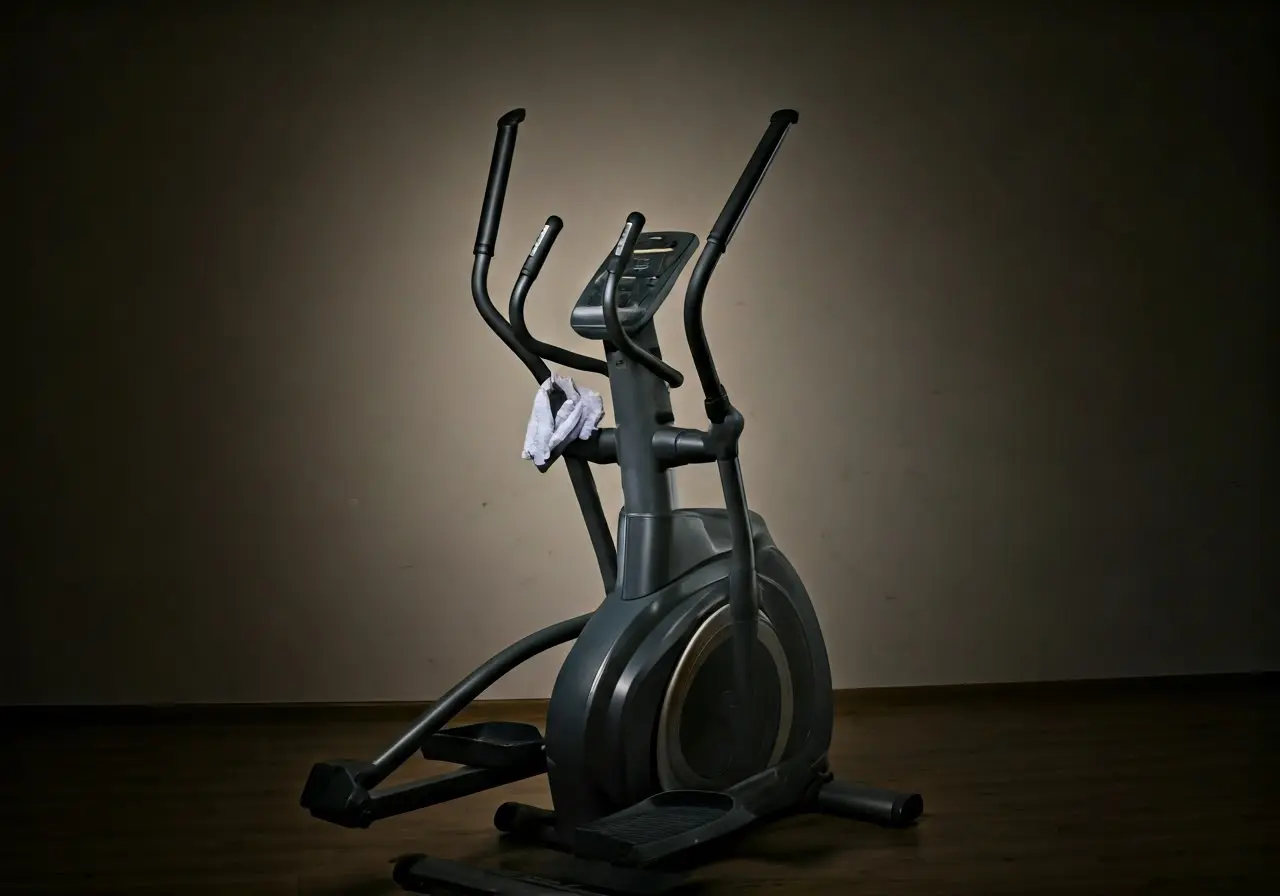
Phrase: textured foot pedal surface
(655, 825)
(660, 826)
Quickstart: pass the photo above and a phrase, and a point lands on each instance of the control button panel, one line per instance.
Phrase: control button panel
(651, 273)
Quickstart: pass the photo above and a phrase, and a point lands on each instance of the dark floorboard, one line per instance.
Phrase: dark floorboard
(1101, 789)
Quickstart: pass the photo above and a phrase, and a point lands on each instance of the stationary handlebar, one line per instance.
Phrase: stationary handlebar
(515, 310)
(618, 334)
(626, 245)
(542, 247)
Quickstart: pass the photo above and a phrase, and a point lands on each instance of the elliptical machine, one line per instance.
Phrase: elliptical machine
(697, 698)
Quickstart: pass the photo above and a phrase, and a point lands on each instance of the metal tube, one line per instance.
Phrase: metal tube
(584, 488)
(744, 608)
(743, 192)
(618, 334)
(696, 332)
(467, 690)
(495, 190)
(515, 309)
(717, 402)
(484, 304)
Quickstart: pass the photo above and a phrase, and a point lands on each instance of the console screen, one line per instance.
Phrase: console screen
(642, 286)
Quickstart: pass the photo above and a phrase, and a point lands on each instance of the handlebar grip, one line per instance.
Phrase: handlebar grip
(626, 243)
(727, 224)
(495, 191)
(542, 247)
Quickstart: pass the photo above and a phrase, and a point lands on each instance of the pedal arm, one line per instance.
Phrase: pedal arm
(334, 792)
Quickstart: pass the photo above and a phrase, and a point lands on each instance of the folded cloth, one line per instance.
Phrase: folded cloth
(577, 418)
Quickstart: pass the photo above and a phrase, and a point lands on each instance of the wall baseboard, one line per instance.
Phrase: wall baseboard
(850, 699)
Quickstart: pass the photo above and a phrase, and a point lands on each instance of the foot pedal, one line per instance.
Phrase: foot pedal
(661, 826)
(495, 745)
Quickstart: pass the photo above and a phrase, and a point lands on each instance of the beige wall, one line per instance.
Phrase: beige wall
(1015, 269)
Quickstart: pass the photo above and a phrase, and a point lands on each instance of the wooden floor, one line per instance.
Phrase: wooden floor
(1120, 788)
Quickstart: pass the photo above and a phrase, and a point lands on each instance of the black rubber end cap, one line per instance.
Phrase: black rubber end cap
(907, 811)
(511, 119)
(790, 116)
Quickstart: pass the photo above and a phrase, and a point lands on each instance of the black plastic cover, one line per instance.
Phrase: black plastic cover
(655, 265)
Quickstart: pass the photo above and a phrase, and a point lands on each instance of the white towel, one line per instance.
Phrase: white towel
(578, 418)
